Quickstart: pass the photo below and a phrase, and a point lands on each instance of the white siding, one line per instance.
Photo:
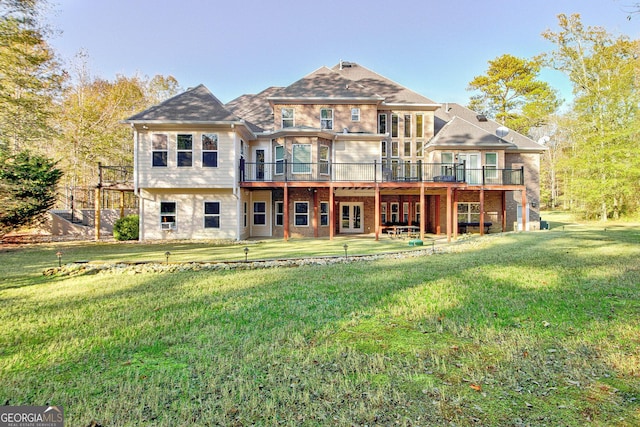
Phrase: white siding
(189, 216)
(194, 176)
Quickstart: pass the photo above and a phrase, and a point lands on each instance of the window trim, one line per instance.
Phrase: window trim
(172, 224)
(323, 163)
(254, 212)
(396, 212)
(292, 118)
(326, 121)
(394, 125)
(382, 123)
(324, 214)
(206, 151)
(419, 125)
(383, 213)
(355, 117)
(205, 215)
(160, 150)
(279, 161)
(183, 150)
(407, 127)
(297, 214)
(279, 213)
(468, 212)
(491, 169)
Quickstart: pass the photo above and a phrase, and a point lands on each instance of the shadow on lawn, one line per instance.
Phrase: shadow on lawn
(197, 319)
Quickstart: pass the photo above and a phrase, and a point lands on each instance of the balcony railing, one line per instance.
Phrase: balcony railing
(376, 172)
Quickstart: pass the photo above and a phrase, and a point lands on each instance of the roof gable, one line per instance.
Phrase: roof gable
(197, 104)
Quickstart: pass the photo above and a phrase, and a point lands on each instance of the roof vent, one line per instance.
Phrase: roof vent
(481, 118)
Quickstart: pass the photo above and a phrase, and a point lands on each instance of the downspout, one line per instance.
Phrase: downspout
(136, 188)
(236, 188)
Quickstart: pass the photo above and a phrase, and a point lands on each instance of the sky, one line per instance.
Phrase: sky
(433, 47)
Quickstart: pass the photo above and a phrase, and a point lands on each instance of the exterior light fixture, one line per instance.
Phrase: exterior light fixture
(166, 256)
(59, 255)
(246, 253)
(345, 247)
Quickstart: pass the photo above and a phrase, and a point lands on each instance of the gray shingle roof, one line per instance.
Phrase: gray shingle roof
(392, 92)
(456, 121)
(255, 108)
(325, 83)
(197, 104)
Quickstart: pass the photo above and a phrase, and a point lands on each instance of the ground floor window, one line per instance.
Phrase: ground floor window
(468, 212)
(405, 212)
(280, 213)
(244, 214)
(417, 212)
(383, 213)
(259, 213)
(395, 212)
(301, 210)
(168, 215)
(211, 214)
(324, 214)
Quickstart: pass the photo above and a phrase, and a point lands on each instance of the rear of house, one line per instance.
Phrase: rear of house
(343, 150)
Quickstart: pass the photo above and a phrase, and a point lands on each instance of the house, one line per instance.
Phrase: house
(343, 150)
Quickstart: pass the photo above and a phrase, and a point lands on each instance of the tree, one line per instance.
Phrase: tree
(604, 73)
(511, 93)
(30, 77)
(27, 189)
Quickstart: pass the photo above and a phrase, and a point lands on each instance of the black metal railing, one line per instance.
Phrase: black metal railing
(112, 175)
(285, 171)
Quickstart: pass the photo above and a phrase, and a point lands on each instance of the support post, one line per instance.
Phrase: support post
(286, 212)
(482, 210)
(524, 209)
(377, 211)
(449, 213)
(96, 220)
(423, 219)
(332, 222)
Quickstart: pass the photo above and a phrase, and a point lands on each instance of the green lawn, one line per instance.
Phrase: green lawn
(520, 329)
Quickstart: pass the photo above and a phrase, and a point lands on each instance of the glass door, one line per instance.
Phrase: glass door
(351, 218)
(473, 170)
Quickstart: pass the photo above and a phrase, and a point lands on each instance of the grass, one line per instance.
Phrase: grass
(518, 329)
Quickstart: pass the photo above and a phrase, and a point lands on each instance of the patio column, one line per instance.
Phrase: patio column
(377, 211)
(482, 211)
(438, 229)
(524, 209)
(286, 212)
(332, 222)
(315, 213)
(504, 211)
(423, 219)
(449, 213)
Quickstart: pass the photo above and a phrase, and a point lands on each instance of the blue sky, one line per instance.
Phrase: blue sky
(244, 46)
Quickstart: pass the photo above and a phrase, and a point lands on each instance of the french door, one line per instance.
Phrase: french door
(351, 218)
(473, 170)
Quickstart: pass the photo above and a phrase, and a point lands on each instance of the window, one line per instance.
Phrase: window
(211, 214)
(301, 158)
(407, 125)
(279, 155)
(355, 114)
(395, 212)
(419, 149)
(287, 118)
(301, 214)
(407, 148)
(394, 125)
(491, 165)
(168, 215)
(326, 118)
(244, 214)
(382, 123)
(280, 213)
(405, 212)
(419, 125)
(447, 160)
(159, 149)
(468, 212)
(416, 212)
(383, 213)
(383, 148)
(259, 213)
(210, 150)
(324, 214)
(185, 150)
(394, 149)
(323, 160)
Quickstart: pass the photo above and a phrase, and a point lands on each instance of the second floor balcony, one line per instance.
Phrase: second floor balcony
(284, 171)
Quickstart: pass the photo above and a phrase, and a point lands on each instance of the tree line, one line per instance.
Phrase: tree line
(57, 121)
(590, 165)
